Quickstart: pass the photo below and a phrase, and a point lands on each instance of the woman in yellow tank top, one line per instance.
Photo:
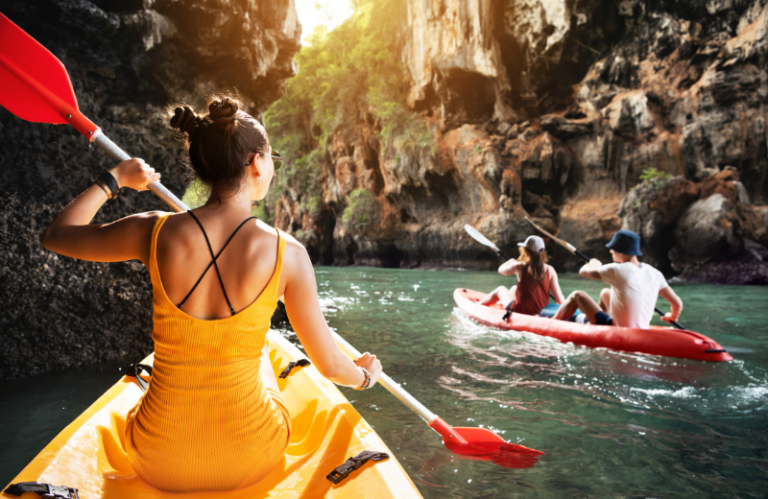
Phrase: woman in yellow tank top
(212, 418)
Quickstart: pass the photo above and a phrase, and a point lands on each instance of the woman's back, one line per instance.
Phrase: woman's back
(209, 421)
(532, 294)
(246, 265)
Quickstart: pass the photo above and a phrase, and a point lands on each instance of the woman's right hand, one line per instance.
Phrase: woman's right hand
(372, 365)
(135, 174)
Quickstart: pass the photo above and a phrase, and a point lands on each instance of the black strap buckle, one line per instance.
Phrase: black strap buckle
(134, 371)
(291, 365)
(353, 463)
(44, 490)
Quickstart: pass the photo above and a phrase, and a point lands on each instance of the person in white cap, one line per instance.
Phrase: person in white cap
(535, 280)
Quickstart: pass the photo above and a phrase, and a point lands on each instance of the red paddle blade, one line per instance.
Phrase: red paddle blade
(485, 445)
(34, 85)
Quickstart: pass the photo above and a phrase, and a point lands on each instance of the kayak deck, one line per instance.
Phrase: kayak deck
(326, 430)
(656, 340)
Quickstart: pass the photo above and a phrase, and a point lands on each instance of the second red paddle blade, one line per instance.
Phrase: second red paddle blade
(483, 444)
(34, 85)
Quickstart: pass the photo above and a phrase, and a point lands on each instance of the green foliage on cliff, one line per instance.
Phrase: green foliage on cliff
(657, 177)
(314, 205)
(196, 194)
(350, 75)
(362, 212)
(260, 211)
(403, 129)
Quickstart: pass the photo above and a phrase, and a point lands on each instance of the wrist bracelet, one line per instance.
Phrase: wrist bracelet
(111, 183)
(104, 188)
(367, 382)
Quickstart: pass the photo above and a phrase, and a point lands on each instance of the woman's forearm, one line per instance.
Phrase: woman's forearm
(345, 372)
(79, 212)
(72, 234)
(303, 307)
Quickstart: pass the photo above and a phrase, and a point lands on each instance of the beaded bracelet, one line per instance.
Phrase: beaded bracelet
(367, 382)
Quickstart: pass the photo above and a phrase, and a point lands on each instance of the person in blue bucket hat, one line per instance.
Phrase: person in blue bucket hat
(635, 286)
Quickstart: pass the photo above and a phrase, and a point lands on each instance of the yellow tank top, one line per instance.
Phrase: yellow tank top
(207, 421)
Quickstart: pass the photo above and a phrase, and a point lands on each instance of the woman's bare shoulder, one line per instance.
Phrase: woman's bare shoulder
(171, 227)
(150, 217)
(294, 253)
(551, 270)
(296, 256)
(293, 248)
(143, 221)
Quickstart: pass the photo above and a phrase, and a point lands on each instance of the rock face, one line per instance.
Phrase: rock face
(704, 231)
(454, 58)
(127, 59)
(554, 109)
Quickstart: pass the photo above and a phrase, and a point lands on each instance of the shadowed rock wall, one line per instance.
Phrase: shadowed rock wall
(127, 59)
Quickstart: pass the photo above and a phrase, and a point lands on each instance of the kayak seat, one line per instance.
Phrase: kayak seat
(114, 450)
(551, 309)
(312, 422)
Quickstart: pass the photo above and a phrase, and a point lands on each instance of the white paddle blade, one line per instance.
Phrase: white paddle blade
(477, 236)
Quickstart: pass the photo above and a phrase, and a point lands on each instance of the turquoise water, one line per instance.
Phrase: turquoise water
(612, 424)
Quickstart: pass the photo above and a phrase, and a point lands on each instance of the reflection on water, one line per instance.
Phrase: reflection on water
(612, 424)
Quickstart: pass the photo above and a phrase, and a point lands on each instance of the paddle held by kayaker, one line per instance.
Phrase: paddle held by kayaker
(212, 418)
(635, 287)
(535, 280)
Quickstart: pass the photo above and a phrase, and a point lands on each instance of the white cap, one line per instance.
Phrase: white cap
(533, 243)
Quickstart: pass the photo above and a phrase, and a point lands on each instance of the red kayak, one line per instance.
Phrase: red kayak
(657, 340)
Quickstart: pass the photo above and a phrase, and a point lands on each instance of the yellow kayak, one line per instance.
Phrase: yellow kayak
(89, 454)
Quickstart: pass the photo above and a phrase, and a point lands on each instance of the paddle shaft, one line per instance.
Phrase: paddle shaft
(584, 257)
(501, 254)
(388, 383)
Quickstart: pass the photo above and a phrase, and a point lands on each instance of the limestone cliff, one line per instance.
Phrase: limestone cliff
(554, 109)
(127, 59)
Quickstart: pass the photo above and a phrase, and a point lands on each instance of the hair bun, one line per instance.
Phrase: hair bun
(185, 119)
(222, 112)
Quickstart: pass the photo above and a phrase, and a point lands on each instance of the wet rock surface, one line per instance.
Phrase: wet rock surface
(127, 60)
(555, 109)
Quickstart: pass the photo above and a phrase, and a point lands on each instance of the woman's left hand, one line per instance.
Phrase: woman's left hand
(135, 174)
(372, 364)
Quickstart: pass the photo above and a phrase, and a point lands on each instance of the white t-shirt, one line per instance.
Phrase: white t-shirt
(634, 291)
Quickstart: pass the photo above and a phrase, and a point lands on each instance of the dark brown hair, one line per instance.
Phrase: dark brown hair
(534, 261)
(220, 142)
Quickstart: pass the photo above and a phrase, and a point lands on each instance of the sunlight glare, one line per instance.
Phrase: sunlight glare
(328, 13)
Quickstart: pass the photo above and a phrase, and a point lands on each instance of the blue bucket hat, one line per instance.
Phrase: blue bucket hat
(626, 242)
